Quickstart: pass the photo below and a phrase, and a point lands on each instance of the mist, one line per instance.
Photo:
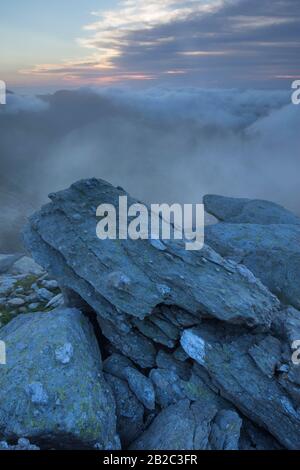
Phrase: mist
(161, 145)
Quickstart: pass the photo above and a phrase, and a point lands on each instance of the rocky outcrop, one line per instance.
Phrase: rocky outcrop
(271, 250)
(248, 211)
(128, 279)
(197, 349)
(52, 389)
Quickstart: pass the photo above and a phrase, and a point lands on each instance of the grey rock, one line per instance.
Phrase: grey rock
(116, 365)
(55, 302)
(16, 302)
(175, 428)
(4, 445)
(191, 426)
(37, 393)
(50, 285)
(217, 342)
(202, 282)
(232, 370)
(132, 344)
(26, 265)
(130, 412)
(287, 324)
(22, 310)
(271, 252)
(169, 362)
(44, 294)
(178, 317)
(171, 331)
(6, 262)
(7, 284)
(64, 353)
(19, 290)
(34, 306)
(248, 211)
(169, 388)
(254, 438)
(180, 355)
(267, 354)
(49, 395)
(152, 331)
(22, 445)
(140, 385)
(225, 431)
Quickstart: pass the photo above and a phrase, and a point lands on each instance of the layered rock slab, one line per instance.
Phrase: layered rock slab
(129, 278)
(271, 252)
(252, 382)
(248, 211)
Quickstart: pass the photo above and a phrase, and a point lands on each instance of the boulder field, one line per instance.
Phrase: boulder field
(130, 344)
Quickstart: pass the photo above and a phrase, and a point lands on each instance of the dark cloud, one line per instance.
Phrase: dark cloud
(250, 41)
(229, 43)
(162, 145)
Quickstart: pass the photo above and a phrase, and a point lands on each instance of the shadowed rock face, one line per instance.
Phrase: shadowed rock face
(197, 349)
(246, 379)
(262, 236)
(186, 426)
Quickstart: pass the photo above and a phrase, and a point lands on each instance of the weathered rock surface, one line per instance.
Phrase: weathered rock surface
(247, 380)
(22, 445)
(248, 211)
(198, 351)
(138, 383)
(52, 389)
(62, 238)
(271, 252)
(130, 412)
(191, 426)
(26, 265)
(7, 261)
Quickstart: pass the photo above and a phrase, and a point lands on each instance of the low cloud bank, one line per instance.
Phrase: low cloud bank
(161, 145)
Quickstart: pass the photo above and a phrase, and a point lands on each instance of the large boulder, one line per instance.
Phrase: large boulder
(52, 389)
(131, 277)
(248, 211)
(271, 252)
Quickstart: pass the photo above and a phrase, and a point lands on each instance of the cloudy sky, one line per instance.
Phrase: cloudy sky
(205, 43)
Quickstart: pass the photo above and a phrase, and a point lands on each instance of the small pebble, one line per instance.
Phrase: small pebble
(16, 302)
